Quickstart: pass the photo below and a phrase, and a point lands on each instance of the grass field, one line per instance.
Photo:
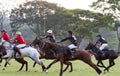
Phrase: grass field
(80, 69)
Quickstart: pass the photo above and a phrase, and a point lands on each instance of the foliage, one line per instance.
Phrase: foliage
(110, 7)
(88, 22)
(38, 15)
(41, 16)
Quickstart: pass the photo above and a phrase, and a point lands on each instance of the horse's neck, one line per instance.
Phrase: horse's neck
(95, 49)
(52, 46)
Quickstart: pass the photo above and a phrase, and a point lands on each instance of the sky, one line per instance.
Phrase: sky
(69, 4)
(72, 4)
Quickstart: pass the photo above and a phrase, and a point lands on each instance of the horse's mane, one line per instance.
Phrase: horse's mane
(92, 47)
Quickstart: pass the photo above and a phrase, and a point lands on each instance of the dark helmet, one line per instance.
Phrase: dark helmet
(70, 32)
(3, 31)
(98, 36)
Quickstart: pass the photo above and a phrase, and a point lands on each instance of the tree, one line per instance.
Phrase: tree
(88, 22)
(110, 7)
(34, 14)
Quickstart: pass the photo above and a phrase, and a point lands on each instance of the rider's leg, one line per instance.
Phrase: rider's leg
(72, 49)
(72, 53)
(101, 48)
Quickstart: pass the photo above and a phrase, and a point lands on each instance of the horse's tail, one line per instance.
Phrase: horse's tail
(118, 53)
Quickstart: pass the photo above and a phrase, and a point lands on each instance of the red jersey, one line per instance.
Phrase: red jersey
(5, 36)
(19, 39)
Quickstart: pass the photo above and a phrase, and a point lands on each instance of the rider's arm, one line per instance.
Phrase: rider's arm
(67, 38)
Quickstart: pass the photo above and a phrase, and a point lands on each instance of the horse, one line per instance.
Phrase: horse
(2, 52)
(20, 60)
(65, 58)
(25, 52)
(47, 55)
(110, 54)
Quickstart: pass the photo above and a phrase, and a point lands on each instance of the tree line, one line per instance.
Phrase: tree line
(40, 16)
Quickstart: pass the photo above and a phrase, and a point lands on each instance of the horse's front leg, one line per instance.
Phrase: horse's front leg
(61, 69)
(100, 62)
(22, 61)
(68, 64)
(56, 60)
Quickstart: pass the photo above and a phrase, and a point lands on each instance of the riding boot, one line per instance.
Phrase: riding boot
(100, 53)
(19, 53)
(17, 50)
(72, 53)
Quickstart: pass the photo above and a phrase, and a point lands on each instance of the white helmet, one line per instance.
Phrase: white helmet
(18, 33)
(50, 31)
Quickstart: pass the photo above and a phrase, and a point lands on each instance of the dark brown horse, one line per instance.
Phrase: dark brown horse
(64, 58)
(110, 54)
(20, 60)
(48, 54)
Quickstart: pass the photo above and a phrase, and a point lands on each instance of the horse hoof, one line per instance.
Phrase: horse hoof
(18, 70)
(45, 70)
(101, 73)
(104, 72)
(3, 69)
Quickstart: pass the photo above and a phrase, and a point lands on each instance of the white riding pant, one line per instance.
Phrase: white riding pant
(72, 46)
(103, 46)
(20, 45)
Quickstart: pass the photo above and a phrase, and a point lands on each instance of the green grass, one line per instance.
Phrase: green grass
(80, 69)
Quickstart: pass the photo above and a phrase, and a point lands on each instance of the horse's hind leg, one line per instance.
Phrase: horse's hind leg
(37, 60)
(111, 63)
(22, 61)
(89, 62)
(68, 64)
(5, 65)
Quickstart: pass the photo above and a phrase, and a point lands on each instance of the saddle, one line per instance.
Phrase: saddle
(103, 53)
(49, 51)
(105, 50)
(24, 47)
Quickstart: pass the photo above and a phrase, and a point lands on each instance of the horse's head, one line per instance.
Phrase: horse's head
(90, 46)
(38, 41)
(35, 41)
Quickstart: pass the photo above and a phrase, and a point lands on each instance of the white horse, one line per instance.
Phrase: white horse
(25, 52)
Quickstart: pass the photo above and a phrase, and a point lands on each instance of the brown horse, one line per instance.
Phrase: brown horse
(20, 60)
(64, 58)
(48, 54)
(110, 54)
